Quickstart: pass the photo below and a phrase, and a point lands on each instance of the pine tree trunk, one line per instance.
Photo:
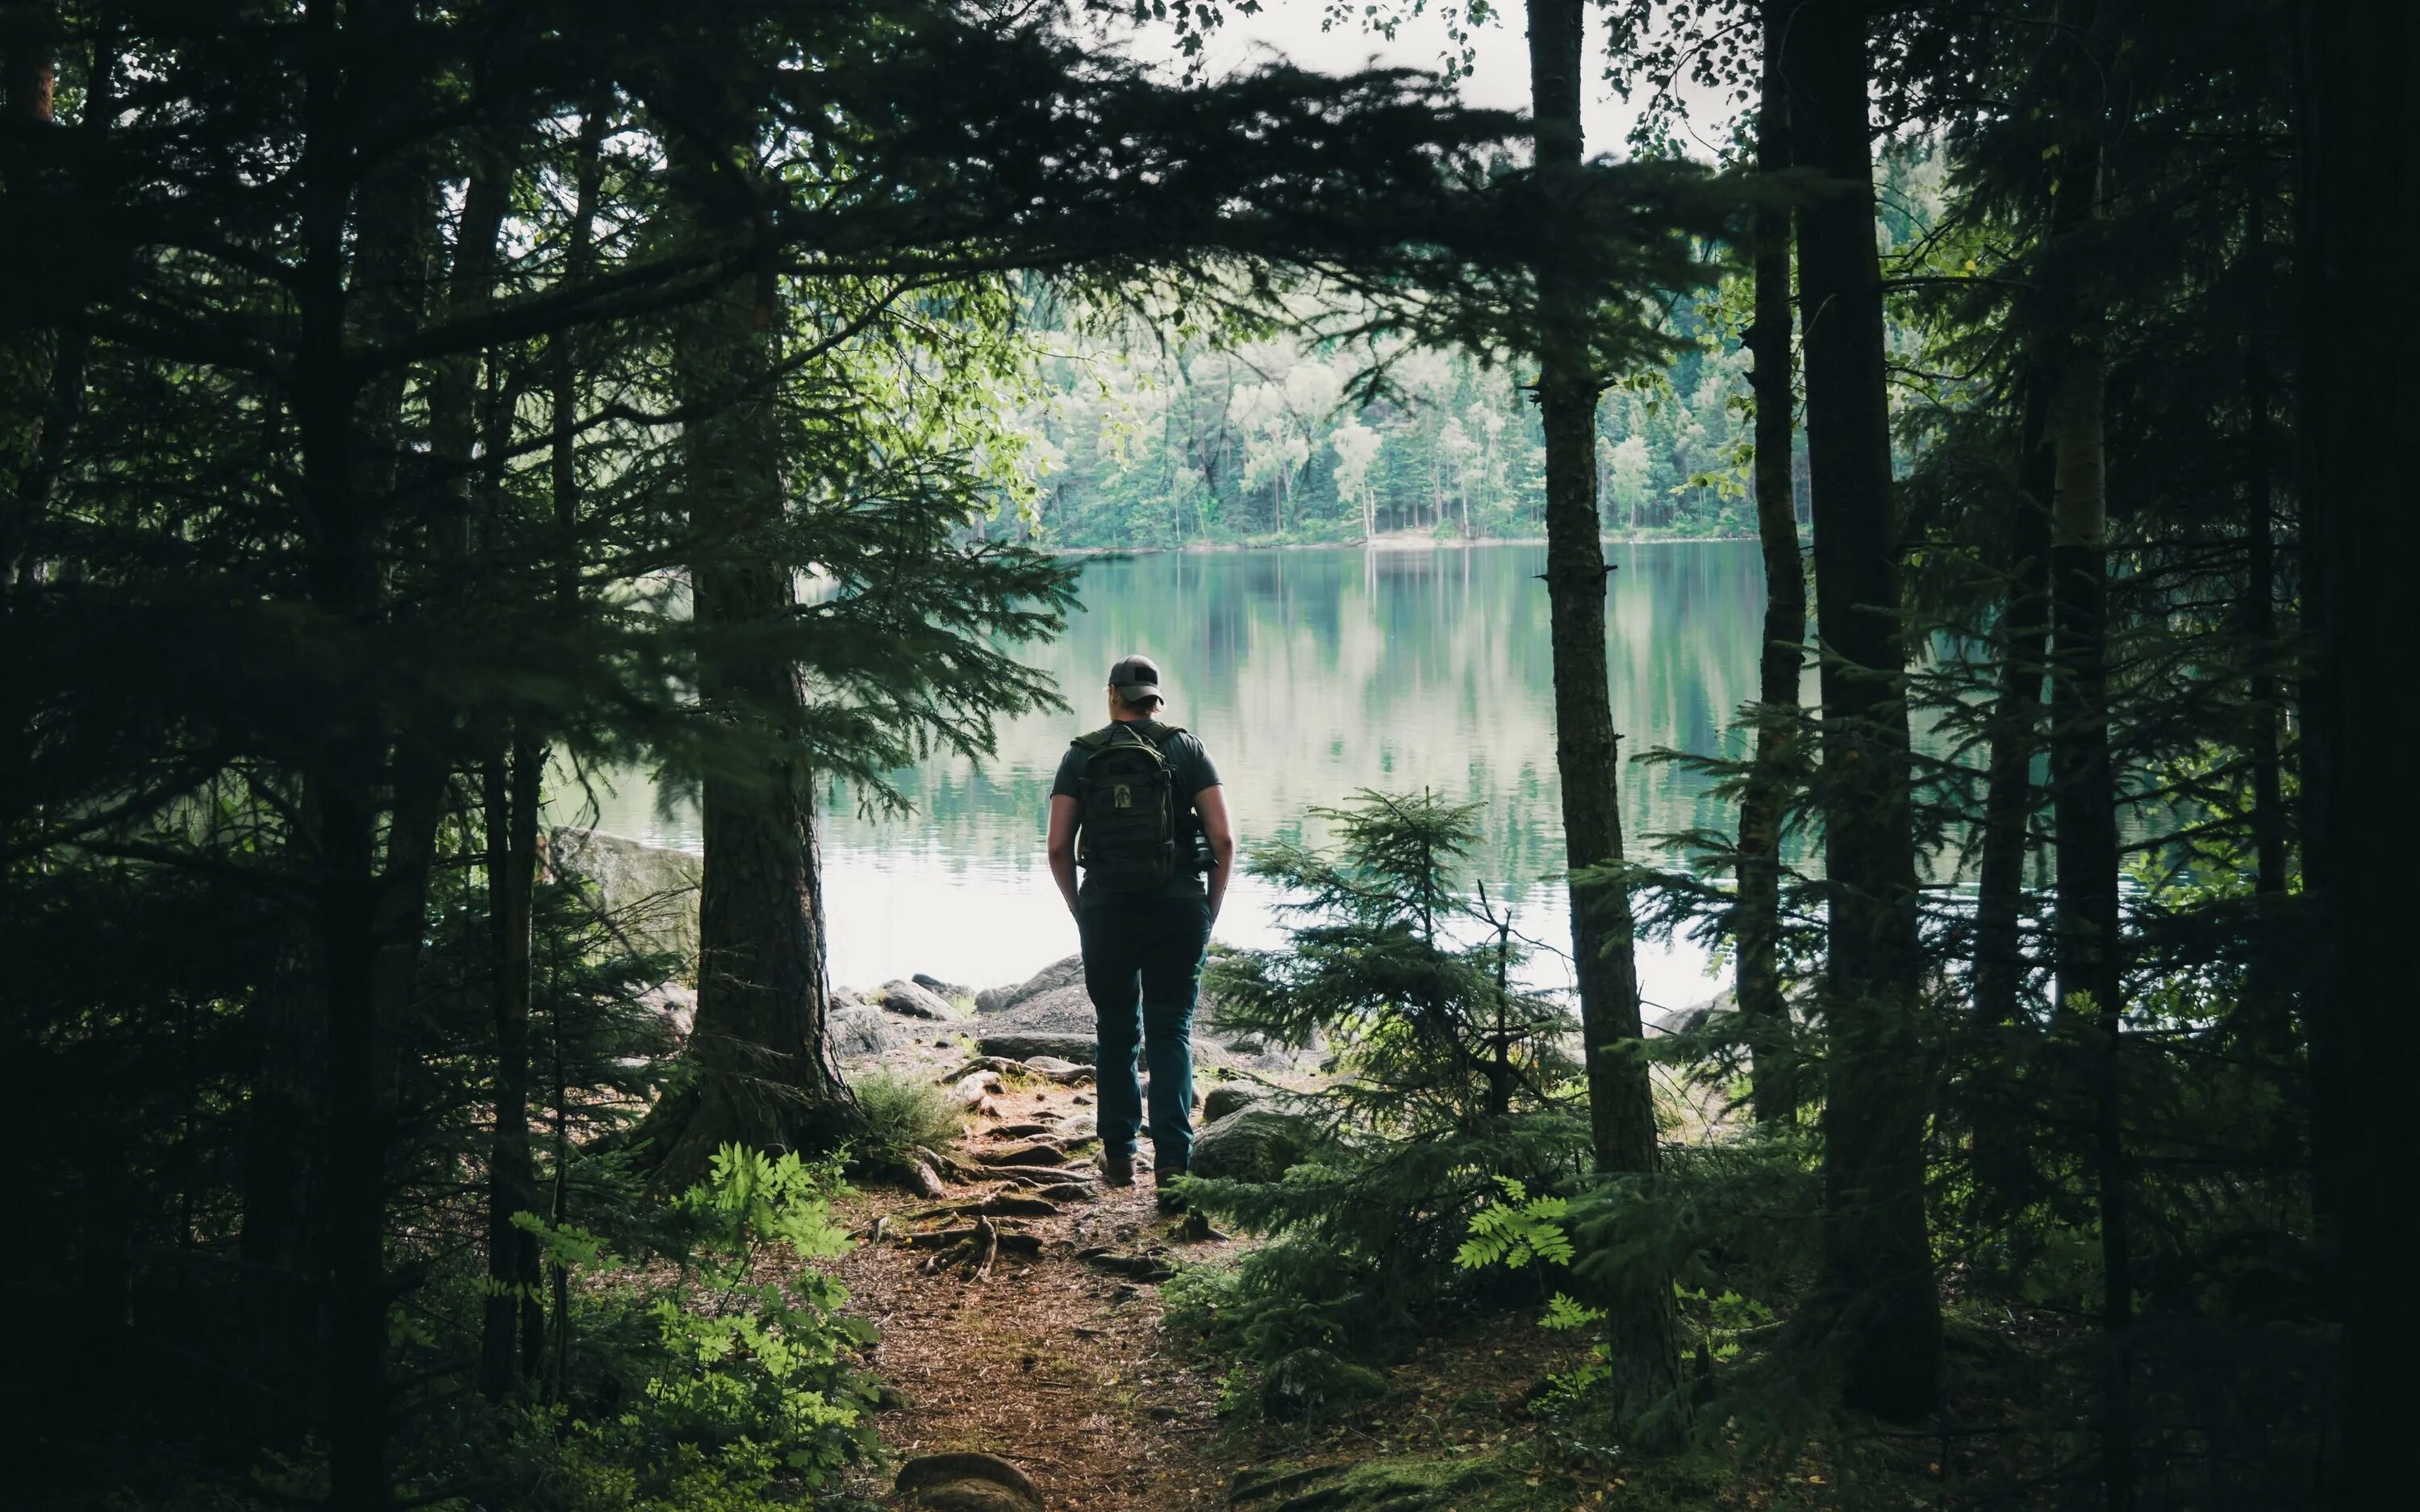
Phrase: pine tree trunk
(368, 913)
(2084, 811)
(29, 59)
(2266, 991)
(1758, 926)
(765, 1077)
(1999, 972)
(2356, 389)
(2260, 628)
(2084, 790)
(512, 803)
(1622, 1109)
(1877, 1265)
(50, 402)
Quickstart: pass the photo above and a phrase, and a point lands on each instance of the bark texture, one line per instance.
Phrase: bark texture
(2009, 803)
(763, 1075)
(512, 1327)
(1758, 926)
(1876, 1262)
(1622, 1107)
(371, 875)
(2084, 792)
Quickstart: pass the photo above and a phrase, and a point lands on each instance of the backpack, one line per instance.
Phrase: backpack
(1129, 806)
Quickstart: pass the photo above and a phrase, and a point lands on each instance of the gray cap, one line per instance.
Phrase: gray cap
(1136, 677)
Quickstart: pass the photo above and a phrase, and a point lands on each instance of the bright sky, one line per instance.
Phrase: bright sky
(1290, 30)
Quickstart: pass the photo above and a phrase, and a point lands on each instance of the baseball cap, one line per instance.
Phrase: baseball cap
(1136, 677)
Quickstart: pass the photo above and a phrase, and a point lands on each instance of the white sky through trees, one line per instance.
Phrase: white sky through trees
(1290, 31)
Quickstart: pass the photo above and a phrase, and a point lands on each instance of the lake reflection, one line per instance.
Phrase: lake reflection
(1307, 675)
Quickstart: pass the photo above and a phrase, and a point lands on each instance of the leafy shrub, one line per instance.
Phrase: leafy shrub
(734, 1374)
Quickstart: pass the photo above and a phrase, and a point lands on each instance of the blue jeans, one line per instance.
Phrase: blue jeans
(1142, 969)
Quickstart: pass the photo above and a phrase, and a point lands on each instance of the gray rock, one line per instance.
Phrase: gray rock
(1313, 1384)
(675, 1005)
(1694, 1017)
(906, 998)
(1084, 1052)
(1251, 1144)
(1227, 1097)
(968, 1483)
(1063, 1009)
(652, 892)
(1068, 971)
(948, 991)
(861, 1033)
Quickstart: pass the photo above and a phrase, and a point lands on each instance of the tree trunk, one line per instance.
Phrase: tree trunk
(1877, 1265)
(368, 919)
(2009, 801)
(1758, 926)
(764, 1074)
(1622, 1108)
(512, 802)
(452, 424)
(44, 411)
(29, 59)
(2083, 781)
(2360, 182)
(2267, 992)
(2261, 627)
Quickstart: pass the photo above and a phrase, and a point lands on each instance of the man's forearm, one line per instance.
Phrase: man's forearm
(1063, 870)
(1222, 866)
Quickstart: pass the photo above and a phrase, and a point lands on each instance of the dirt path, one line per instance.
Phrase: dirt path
(1051, 1362)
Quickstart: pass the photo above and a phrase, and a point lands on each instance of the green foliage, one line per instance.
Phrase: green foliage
(900, 1113)
(1408, 979)
(739, 1364)
(1449, 1092)
(1269, 441)
(1515, 1230)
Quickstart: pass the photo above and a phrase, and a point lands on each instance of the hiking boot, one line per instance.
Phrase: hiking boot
(1116, 1169)
(1164, 1190)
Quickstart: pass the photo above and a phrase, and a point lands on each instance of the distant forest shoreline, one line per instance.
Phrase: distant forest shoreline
(1391, 542)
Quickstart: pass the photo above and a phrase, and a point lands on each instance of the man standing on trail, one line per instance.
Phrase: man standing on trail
(1137, 805)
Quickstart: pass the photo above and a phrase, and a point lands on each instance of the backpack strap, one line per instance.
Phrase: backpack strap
(1150, 730)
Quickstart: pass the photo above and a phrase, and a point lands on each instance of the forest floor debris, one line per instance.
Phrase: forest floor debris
(1028, 1326)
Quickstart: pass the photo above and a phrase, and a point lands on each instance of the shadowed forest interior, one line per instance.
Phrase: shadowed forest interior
(1797, 602)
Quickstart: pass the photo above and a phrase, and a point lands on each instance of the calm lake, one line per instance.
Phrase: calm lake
(1309, 676)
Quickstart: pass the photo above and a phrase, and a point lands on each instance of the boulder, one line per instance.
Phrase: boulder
(1227, 1097)
(1065, 1009)
(967, 1483)
(861, 1033)
(651, 892)
(1692, 1018)
(1251, 1144)
(1068, 971)
(949, 991)
(1313, 1384)
(912, 1001)
(1081, 1049)
(675, 1005)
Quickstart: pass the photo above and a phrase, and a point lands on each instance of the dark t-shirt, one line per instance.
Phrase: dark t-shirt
(1193, 773)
